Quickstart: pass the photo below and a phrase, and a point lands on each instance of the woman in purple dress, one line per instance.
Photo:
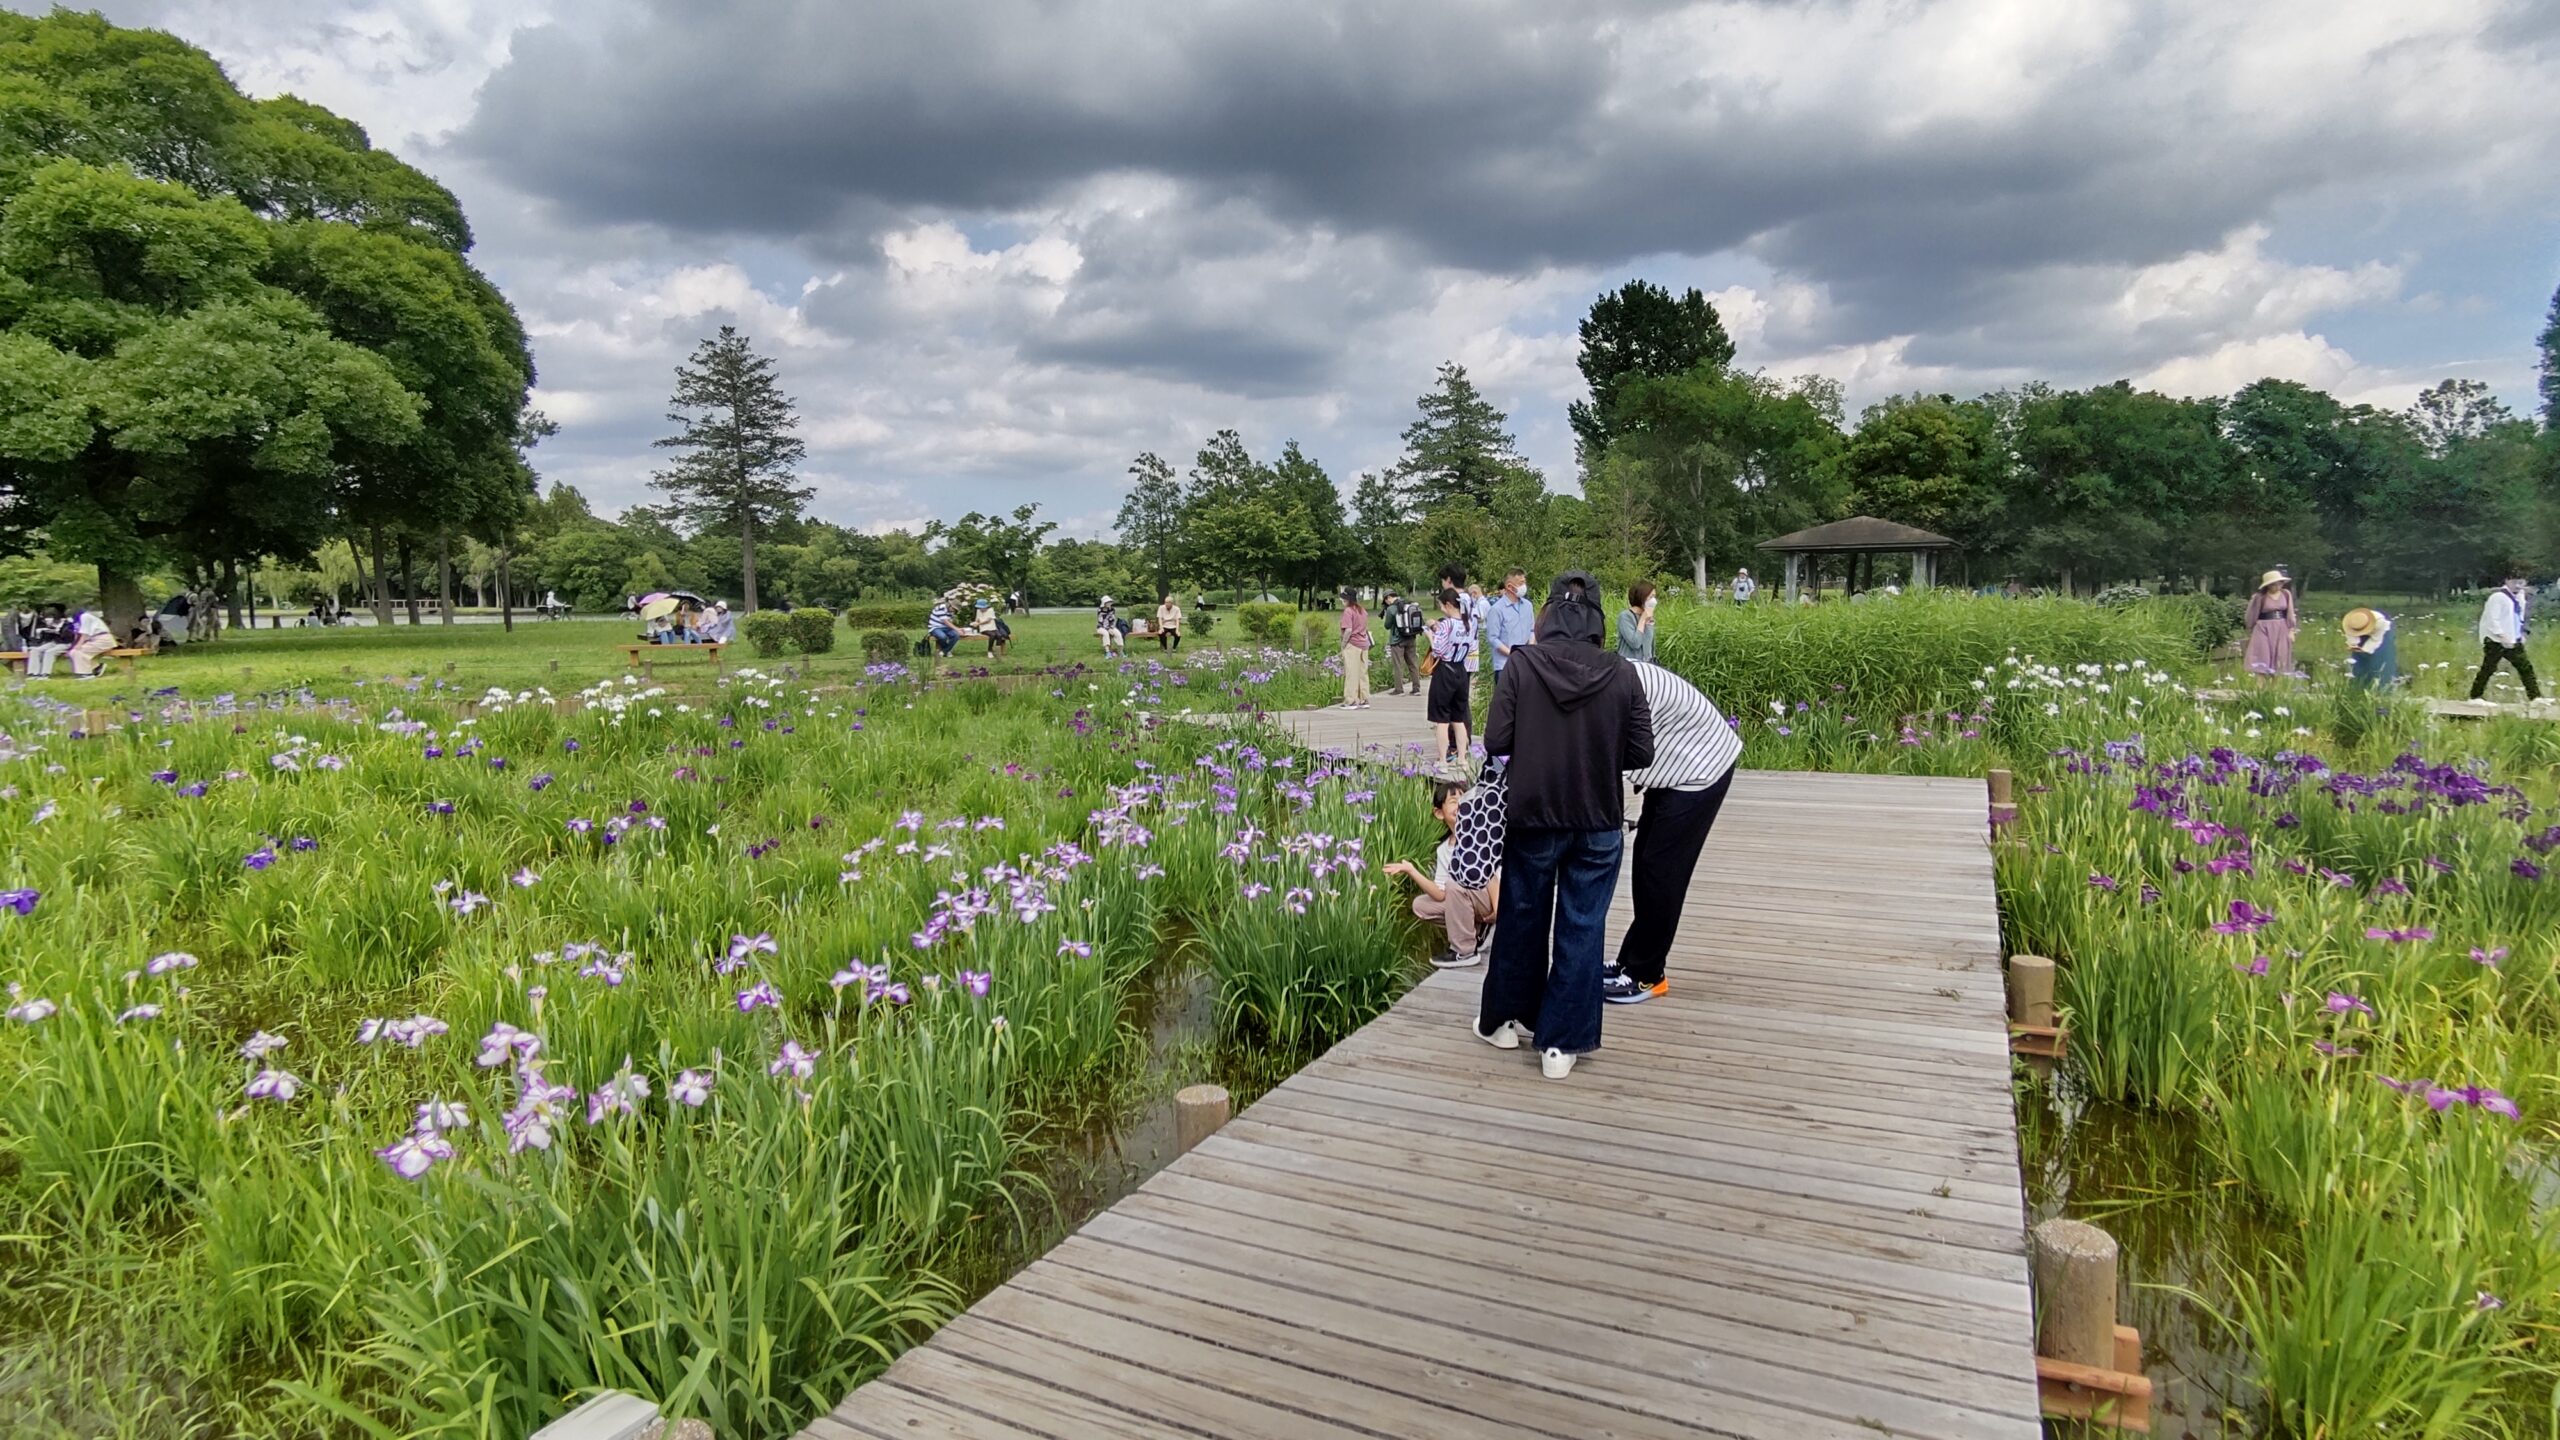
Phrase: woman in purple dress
(2272, 622)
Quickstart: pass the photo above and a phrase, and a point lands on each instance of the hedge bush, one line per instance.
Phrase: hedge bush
(813, 629)
(880, 645)
(1318, 628)
(1266, 619)
(769, 631)
(2212, 621)
(888, 615)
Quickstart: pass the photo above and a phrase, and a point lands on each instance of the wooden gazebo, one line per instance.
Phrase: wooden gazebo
(1861, 535)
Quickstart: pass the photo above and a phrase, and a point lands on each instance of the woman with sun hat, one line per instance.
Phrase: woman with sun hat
(2272, 623)
(2373, 654)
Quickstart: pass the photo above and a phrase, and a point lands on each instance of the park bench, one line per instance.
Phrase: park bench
(641, 654)
(17, 659)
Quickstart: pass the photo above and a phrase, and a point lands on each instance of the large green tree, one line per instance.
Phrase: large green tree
(993, 548)
(1458, 446)
(1638, 330)
(1727, 458)
(231, 327)
(1928, 461)
(1150, 519)
(739, 451)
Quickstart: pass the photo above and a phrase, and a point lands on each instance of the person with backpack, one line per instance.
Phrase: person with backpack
(1451, 706)
(1570, 719)
(1404, 626)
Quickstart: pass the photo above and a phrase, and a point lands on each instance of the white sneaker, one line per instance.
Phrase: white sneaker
(1555, 1064)
(1505, 1036)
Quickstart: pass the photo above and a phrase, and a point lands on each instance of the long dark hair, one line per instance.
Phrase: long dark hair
(1638, 593)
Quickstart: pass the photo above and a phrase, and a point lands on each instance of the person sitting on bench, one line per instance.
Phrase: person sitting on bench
(720, 627)
(938, 625)
(48, 640)
(92, 638)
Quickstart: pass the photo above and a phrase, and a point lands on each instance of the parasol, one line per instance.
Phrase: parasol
(660, 608)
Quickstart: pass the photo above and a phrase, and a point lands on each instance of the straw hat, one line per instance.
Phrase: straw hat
(2360, 623)
(2270, 580)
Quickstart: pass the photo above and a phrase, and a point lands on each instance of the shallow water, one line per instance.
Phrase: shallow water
(2143, 1179)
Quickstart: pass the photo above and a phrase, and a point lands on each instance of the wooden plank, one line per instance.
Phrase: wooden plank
(1782, 1201)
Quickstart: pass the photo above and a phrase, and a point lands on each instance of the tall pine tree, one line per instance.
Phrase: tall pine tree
(1458, 446)
(739, 451)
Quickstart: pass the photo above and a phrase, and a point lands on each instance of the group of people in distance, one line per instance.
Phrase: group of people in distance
(56, 635)
(2273, 620)
(1522, 881)
(688, 626)
(1165, 630)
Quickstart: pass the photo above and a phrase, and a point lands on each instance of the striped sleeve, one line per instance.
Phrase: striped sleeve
(1693, 747)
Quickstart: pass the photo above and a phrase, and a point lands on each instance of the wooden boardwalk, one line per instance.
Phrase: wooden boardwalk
(1783, 1201)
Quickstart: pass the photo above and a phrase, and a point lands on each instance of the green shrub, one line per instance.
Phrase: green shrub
(1265, 619)
(888, 615)
(2211, 621)
(769, 631)
(2118, 596)
(1316, 629)
(813, 629)
(1201, 623)
(880, 645)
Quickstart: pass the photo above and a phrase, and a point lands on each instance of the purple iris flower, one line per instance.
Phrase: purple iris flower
(260, 858)
(2108, 883)
(22, 901)
(2246, 919)
(2399, 936)
(439, 807)
(2341, 1003)
(2489, 958)
(2525, 869)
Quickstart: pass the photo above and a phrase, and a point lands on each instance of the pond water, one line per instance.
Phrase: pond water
(2144, 1180)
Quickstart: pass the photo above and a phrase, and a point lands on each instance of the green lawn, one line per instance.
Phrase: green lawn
(560, 655)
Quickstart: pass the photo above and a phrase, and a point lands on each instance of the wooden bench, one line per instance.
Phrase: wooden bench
(642, 653)
(16, 660)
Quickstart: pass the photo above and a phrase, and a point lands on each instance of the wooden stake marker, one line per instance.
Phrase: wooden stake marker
(2034, 1024)
(1198, 1111)
(2088, 1367)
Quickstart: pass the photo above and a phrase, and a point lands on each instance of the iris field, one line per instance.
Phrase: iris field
(411, 1056)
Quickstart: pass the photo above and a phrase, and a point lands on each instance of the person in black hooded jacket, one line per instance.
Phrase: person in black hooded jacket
(1570, 717)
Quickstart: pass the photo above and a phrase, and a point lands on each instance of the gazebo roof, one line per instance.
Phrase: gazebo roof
(1859, 533)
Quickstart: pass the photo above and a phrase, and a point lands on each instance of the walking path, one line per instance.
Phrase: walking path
(1783, 1201)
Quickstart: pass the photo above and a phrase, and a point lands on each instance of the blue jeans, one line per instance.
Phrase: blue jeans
(1561, 879)
(944, 637)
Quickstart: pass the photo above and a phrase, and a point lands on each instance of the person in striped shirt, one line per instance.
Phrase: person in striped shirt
(938, 625)
(1694, 751)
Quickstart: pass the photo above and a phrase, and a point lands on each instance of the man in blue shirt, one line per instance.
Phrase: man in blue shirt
(1510, 620)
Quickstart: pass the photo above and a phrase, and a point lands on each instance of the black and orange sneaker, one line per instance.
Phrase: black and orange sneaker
(1619, 988)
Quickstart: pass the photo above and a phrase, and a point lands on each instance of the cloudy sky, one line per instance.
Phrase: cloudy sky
(1001, 246)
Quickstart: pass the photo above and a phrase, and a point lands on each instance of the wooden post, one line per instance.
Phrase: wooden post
(2001, 783)
(1198, 1111)
(448, 667)
(2088, 1367)
(2030, 990)
(555, 667)
(2074, 1265)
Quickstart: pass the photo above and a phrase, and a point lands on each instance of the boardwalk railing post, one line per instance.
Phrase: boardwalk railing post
(1198, 1111)
(2004, 808)
(2087, 1366)
(2030, 990)
(2035, 1028)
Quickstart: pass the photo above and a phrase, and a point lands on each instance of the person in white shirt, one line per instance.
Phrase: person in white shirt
(1694, 752)
(93, 637)
(2502, 631)
(1106, 623)
(720, 627)
(1744, 587)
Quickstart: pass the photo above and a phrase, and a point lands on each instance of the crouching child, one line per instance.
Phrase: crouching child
(1463, 892)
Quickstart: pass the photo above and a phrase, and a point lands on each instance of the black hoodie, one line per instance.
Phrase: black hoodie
(1570, 716)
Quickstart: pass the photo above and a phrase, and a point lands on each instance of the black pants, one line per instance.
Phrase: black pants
(1669, 835)
(2491, 652)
